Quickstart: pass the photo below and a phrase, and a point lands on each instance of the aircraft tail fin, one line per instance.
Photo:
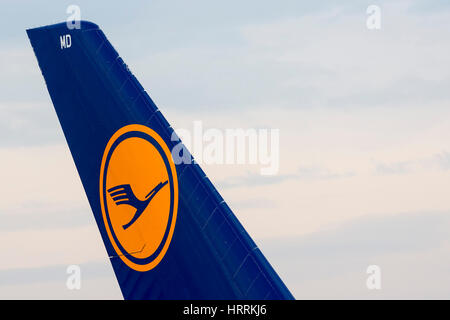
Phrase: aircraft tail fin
(167, 231)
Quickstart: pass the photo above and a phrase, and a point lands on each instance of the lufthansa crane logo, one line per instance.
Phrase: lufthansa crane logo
(138, 196)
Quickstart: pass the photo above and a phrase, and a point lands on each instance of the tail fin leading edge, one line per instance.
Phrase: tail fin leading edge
(166, 229)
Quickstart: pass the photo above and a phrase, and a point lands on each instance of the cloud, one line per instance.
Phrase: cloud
(97, 282)
(43, 216)
(53, 246)
(256, 203)
(342, 64)
(89, 270)
(321, 173)
(304, 173)
(29, 124)
(372, 235)
(427, 163)
(411, 250)
(393, 168)
(341, 95)
(443, 160)
(252, 180)
(44, 175)
(98, 288)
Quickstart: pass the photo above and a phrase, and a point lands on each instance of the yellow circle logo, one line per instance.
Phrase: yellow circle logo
(138, 196)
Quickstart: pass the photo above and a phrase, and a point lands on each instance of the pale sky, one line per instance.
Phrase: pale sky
(364, 120)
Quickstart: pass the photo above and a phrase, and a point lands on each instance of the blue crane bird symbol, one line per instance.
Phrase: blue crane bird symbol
(123, 194)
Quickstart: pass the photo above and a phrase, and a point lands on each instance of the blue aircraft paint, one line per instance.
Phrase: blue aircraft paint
(210, 256)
